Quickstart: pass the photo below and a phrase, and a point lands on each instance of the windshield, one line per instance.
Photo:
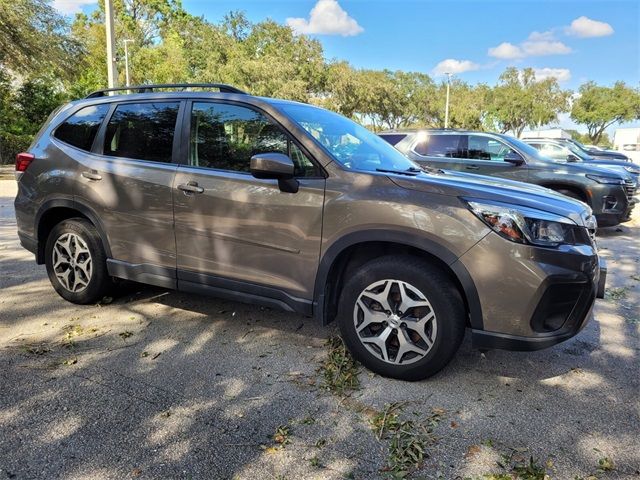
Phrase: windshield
(350, 144)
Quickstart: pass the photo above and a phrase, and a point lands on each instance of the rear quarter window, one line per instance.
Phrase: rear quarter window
(393, 138)
(80, 129)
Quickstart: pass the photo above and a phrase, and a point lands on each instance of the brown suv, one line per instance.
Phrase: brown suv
(291, 206)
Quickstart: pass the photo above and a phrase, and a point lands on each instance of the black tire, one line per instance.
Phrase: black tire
(100, 283)
(440, 292)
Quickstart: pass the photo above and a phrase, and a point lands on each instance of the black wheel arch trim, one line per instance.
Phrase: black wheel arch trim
(404, 238)
(73, 205)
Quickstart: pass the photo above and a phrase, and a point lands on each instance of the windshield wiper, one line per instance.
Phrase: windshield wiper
(412, 171)
(428, 169)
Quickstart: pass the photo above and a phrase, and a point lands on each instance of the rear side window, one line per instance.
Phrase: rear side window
(440, 146)
(142, 131)
(79, 130)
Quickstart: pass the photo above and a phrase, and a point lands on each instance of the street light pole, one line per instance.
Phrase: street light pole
(446, 107)
(112, 68)
(126, 59)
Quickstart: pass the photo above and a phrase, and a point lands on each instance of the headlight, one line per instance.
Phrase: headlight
(632, 170)
(530, 226)
(604, 179)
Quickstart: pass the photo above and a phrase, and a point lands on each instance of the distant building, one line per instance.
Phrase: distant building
(549, 133)
(627, 141)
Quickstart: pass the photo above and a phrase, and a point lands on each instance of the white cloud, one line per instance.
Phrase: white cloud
(560, 74)
(540, 36)
(538, 45)
(585, 27)
(70, 7)
(451, 65)
(506, 51)
(544, 47)
(327, 18)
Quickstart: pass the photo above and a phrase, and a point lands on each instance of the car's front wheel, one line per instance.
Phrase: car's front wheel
(76, 262)
(401, 317)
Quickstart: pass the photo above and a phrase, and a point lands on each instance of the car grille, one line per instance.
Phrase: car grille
(630, 188)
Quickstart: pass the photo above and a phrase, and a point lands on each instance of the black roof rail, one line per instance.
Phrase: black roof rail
(222, 87)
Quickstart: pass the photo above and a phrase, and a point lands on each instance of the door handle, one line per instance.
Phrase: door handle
(190, 187)
(92, 175)
(472, 167)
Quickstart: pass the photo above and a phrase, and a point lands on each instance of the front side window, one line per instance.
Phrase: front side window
(486, 148)
(225, 137)
(449, 146)
(79, 130)
(142, 131)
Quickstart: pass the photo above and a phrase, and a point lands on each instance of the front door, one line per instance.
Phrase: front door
(485, 155)
(236, 231)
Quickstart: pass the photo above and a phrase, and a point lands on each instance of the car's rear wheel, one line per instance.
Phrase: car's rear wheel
(401, 317)
(76, 262)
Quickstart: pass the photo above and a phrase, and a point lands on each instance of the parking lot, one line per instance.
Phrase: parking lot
(154, 383)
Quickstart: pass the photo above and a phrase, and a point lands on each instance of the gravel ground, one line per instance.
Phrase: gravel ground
(164, 384)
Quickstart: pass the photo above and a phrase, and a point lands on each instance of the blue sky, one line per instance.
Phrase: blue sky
(417, 35)
(573, 40)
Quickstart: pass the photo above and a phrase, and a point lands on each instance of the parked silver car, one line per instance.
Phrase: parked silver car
(291, 206)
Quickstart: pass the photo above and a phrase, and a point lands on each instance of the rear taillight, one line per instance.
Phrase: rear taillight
(23, 160)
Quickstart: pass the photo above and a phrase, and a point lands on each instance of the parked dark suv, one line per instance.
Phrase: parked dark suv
(291, 206)
(608, 193)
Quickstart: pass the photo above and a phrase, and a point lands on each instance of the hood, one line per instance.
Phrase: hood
(481, 187)
(608, 154)
(580, 168)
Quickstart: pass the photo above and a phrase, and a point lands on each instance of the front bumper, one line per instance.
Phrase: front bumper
(614, 206)
(532, 297)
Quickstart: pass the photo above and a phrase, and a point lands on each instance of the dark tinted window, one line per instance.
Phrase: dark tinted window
(142, 130)
(225, 137)
(80, 128)
(481, 147)
(440, 145)
(393, 138)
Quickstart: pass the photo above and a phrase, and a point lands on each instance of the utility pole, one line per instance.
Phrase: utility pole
(126, 59)
(446, 107)
(112, 68)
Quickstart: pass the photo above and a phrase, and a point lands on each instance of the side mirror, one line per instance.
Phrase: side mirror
(514, 158)
(572, 158)
(275, 166)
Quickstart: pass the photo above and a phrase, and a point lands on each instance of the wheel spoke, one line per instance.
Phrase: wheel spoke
(369, 316)
(407, 345)
(380, 341)
(406, 302)
(383, 297)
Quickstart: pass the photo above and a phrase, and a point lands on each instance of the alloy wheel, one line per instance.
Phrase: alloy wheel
(395, 321)
(72, 262)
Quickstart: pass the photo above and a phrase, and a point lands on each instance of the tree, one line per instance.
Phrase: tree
(467, 105)
(599, 107)
(520, 100)
(34, 37)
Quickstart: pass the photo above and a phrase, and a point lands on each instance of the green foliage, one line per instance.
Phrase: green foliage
(34, 37)
(520, 100)
(11, 145)
(599, 107)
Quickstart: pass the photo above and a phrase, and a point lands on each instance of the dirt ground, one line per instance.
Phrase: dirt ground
(162, 384)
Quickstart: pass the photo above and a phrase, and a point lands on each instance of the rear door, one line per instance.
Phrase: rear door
(439, 150)
(128, 179)
(232, 227)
